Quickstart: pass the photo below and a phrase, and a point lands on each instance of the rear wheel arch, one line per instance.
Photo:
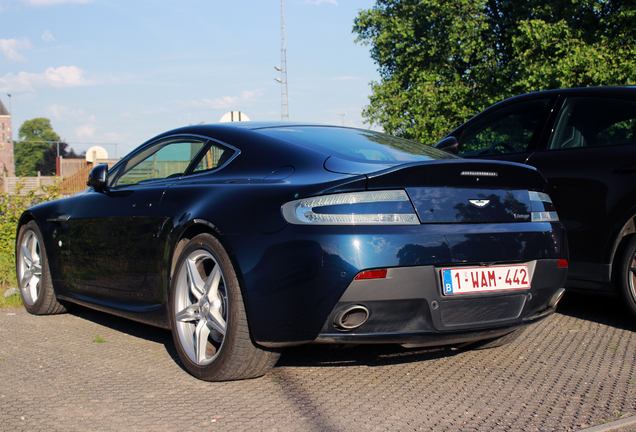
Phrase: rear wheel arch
(194, 228)
(615, 255)
(186, 235)
(207, 315)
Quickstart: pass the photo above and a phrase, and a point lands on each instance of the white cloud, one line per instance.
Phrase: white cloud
(54, 2)
(319, 2)
(224, 102)
(10, 47)
(47, 36)
(70, 116)
(65, 76)
(116, 137)
(61, 77)
(61, 112)
(85, 131)
(247, 97)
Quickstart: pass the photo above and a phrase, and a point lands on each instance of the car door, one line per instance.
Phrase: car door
(589, 160)
(114, 233)
(508, 131)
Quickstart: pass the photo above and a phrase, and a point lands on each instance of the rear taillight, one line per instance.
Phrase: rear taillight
(389, 207)
(542, 207)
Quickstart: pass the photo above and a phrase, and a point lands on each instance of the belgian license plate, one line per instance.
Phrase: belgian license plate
(467, 280)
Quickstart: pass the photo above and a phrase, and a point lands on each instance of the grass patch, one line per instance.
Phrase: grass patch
(11, 301)
(99, 340)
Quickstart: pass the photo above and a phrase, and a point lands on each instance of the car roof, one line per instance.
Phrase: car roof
(254, 125)
(603, 90)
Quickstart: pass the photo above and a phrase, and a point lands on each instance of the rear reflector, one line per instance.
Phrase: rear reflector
(371, 274)
(563, 263)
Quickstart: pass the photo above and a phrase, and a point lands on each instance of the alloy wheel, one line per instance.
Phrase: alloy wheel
(201, 307)
(30, 267)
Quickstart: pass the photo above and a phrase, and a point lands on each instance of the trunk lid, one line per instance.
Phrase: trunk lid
(460, 191)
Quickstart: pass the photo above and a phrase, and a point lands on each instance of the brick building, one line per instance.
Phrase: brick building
(7, 163)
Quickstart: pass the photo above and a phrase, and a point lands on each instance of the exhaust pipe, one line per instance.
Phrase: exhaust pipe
(351, 317)
(556, 298)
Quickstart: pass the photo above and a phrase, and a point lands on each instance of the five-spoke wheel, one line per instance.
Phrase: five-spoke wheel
(33, 274)
(200, 305)
(208, 319)
(29, 267)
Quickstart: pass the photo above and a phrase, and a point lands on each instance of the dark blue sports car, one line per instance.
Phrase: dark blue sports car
(244, 238)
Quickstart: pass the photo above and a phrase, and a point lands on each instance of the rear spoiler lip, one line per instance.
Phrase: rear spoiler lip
(459, 173)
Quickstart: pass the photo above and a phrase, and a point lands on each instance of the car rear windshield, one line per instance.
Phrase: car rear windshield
(356, 144)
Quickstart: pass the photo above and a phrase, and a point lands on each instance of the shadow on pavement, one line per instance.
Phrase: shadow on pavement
(356, 355)
(130, 327)
(306, 355)
(602, 308)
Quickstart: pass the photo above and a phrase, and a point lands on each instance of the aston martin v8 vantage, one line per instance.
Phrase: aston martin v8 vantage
(245, 238)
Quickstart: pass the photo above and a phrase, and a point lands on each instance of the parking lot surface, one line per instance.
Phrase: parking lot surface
(90, 371)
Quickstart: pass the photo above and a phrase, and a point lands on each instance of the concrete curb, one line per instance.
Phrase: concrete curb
(613, 426)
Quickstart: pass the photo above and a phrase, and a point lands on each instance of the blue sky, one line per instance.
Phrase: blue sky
(123, 71)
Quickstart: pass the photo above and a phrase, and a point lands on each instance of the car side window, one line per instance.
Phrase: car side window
(591, 122)
(509, 129)
(215, 157)
(165, 159)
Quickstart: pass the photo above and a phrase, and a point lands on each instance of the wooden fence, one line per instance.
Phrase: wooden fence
(30, 183)
(67, 167)
(76, 182)
(69, 185)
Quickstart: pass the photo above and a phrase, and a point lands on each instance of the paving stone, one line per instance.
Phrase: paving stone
(575, 369)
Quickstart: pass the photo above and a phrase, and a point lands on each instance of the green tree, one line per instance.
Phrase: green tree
(35, 138)
(442, 61)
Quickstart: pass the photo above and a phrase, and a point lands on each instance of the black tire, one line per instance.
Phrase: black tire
(32, 271)
(496, 342)
(206, 306)
(627, 276)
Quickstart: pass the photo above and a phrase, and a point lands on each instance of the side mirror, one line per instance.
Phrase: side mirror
(98, 178)
(448, 144)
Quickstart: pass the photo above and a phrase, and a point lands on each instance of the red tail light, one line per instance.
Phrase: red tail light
(563, 263)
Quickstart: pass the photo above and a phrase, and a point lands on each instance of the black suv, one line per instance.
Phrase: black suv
(583, 140)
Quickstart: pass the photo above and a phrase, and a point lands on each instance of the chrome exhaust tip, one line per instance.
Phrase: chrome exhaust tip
(351, 317)
(556, 298)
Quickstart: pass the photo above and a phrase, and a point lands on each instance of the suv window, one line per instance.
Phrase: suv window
(588, 122)
(509, 129)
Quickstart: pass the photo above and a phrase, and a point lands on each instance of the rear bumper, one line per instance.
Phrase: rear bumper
(408, 306)
(429, 338)
(296, 281)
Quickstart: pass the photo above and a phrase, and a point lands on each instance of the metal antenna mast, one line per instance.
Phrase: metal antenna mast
(284, 100)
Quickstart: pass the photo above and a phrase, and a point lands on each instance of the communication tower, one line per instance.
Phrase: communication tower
(284, 100)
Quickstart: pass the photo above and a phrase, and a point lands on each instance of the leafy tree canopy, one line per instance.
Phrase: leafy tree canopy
(442, 61)
(37, 148)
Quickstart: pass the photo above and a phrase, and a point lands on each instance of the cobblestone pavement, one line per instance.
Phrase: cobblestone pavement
(574, 370)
